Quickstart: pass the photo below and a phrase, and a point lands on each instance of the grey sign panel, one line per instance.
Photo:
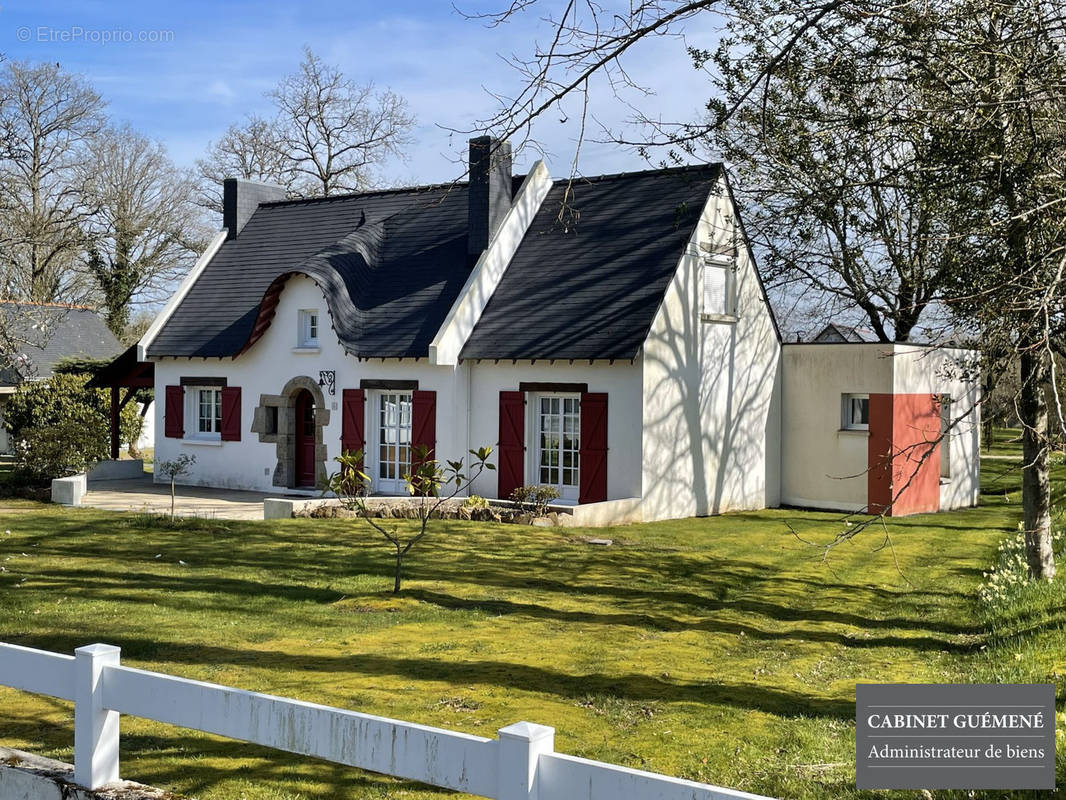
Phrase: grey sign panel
(955, 736)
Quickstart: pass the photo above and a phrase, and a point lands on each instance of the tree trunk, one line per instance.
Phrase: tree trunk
(1036, 483)
(399, 570)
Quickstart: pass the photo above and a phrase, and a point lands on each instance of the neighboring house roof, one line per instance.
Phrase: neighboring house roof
(591, 272)
(48, 333)
(391, 264)
(845, 333)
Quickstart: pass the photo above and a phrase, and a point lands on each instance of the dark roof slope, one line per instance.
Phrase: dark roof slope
(834, 332)
(46, 334)
(390, 263)
(589, 286)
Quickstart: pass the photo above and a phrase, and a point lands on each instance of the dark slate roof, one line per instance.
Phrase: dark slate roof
(391, 264)
(588, 287)
(834, 332)
(46, 334)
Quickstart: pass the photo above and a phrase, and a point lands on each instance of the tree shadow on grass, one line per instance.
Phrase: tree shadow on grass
(503, 674)
(710, 625)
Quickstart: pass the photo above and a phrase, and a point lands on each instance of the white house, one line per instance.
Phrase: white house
(610, 337)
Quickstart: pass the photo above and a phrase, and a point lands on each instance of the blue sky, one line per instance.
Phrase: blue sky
(222, 57)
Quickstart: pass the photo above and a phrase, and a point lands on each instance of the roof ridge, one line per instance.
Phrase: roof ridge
(710, 165)
(369, 193)
(457, 184)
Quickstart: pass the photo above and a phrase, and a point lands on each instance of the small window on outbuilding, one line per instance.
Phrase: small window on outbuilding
(718, 287)
(855, 412)
(308, 328)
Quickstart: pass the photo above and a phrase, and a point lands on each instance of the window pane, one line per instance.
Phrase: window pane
(715, 290)
(861, 414)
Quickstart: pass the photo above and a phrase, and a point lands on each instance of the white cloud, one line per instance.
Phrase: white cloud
(220, 89)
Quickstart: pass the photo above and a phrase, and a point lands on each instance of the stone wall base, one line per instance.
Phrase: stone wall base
(24, 776)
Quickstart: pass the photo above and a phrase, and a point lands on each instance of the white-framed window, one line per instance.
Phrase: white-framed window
(557, 437)
(945, 436)
(718, 287)
(855, 412)
(308, 328)
(203, 412)
(392, 440)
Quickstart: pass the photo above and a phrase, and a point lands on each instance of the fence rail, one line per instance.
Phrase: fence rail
(518, 765)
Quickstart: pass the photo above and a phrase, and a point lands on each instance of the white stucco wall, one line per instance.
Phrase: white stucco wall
(621, 381)
(265, 369)
(712, 398)
(467, 400)
(826, 467)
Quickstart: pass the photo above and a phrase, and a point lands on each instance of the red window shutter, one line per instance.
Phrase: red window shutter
(593, 477)
(174, 413)
(231, 414)
(353, 414)
(510, 465)
(424, 423)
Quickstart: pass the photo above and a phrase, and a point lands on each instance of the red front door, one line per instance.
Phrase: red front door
(305, 439)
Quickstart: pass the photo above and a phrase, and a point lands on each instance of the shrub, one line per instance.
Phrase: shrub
(475, 501)
(64, 407)
(534, 499)
(55, 451)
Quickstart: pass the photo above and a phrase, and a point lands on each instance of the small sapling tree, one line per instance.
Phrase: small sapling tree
(172, 470)
(430, 481)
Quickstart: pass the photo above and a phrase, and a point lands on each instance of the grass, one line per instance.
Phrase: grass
(722, 649)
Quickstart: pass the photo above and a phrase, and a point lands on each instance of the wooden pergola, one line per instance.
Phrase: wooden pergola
(125, 372)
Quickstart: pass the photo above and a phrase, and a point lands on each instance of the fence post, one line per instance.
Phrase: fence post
(520, 746)
(95, 728)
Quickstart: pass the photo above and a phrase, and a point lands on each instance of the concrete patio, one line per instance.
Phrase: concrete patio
(142, 495)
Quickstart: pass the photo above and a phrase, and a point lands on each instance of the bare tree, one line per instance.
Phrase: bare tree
(251, 151)
(832, 166)
(47, 118)
(586, 49)
(327, 135)
(336, 132)
(145, 230)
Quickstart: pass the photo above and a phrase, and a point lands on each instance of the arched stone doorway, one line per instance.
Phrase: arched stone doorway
(294, 421)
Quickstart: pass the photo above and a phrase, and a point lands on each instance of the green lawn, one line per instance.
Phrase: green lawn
(722, 649)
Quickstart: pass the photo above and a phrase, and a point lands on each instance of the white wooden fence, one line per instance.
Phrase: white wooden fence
(519, 765)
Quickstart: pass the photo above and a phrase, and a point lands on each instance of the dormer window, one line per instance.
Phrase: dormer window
(308, 329)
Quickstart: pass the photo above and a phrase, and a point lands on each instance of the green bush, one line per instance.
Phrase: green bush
(76, 417)
(475, 501)
(55, 451)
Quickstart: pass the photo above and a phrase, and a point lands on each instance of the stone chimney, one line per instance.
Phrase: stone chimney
(240, 199)
(490, 190)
